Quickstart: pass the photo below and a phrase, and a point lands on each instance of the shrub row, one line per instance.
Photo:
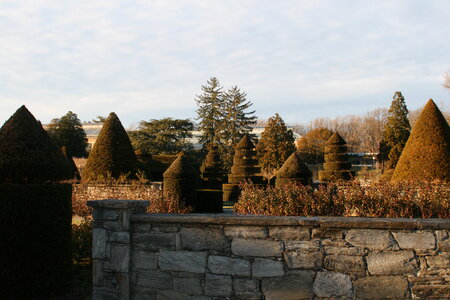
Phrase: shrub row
(383, 199)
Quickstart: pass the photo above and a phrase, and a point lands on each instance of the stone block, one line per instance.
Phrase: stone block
(392, 263)
(145, 260)
(192, 286)
(246, 232)
(443, 241)
(345, 264)
(171, 295)
(120, 237)
(104, 294)
(332, 284)
(142, 293)
(196, 238)
(154, 241)
(381, 287)
(371, 239)
(253, 247)
(186, 261)
(327, 233)
(154, 279)
(123, 286)
(97, 272)
(165, 228)
(142, 228)
(288, 287)
(304, 246)
(98, 243)
(440, 261)
(218, 285)
(303, 260)
(336, 250)
(120, 258)
(419, 240)
(246, 288)
(110, 214)
(266, 267)
(289, 233)
(229, 265)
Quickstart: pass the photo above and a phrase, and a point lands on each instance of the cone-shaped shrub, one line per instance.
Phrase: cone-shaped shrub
(293, 170)
(180, 181)
(245, 167)
(112, 154)
(211, 171)
(426, 156)
(336, 165)
(27, 154)
(35, 212)
(144, 159)
(74, 174)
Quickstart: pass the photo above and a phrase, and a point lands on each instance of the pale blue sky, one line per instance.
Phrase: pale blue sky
(148, 59)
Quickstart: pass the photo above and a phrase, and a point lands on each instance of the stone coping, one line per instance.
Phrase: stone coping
(114, 203)
(325, 222)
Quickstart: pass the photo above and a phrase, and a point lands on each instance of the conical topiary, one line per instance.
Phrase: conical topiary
(27, 154)
(35, 211)
(74, 174)
(293, 170)
(336, 165)
(112, 154)
(426, 156)
(211, 171)
(180, 181)
(245, 167)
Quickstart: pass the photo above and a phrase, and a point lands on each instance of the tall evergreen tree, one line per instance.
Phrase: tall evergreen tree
(396, 132)
(275, 146)
(210, 110)
(68, 132)
(236, 122)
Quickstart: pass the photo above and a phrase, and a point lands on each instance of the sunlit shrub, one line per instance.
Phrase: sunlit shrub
(82, 241)
(382, 199)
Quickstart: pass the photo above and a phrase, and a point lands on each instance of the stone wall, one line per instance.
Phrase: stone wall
(154, 256)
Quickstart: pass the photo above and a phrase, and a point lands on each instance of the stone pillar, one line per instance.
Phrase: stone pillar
(111, 247)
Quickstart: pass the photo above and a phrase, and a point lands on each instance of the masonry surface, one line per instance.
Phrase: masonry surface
(157, 256)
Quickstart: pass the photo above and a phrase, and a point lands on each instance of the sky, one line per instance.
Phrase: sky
(148, 59)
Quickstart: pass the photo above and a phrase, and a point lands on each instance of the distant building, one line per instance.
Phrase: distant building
(92, 131)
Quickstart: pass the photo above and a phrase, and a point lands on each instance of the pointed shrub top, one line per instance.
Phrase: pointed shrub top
(27, 154)
(181, 168)
(426, 155)
(245, 143)
(336, 139)
(294, 167)
(112, 154)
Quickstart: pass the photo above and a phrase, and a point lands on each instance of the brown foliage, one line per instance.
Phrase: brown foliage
(382, 199)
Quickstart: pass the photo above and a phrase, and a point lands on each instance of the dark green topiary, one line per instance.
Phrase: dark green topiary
(336, 165)
(112, 154)
(245, 167)
(426, 156)
(35, 216)
(74, 174)
(211, 172)
(180, 181)
(27, 154)
(144, 160)
(293, 170)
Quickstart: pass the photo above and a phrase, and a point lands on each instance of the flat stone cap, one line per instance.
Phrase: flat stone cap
(116, 203)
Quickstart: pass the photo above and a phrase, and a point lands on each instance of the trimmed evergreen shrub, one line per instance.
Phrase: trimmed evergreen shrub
(112, 155)
(336, 165)
(209, 200)
(74, 174)
(27, 154)
(211, 171)
(245, 167)
(426, 156)
(293, 170)
(144, 160)
(180, 182)
(35, 216)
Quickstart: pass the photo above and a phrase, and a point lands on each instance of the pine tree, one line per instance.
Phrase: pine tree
(396, 131)
(426, 156)
(236, 122)
(210, 111)
(275, 146)
(68, 132)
